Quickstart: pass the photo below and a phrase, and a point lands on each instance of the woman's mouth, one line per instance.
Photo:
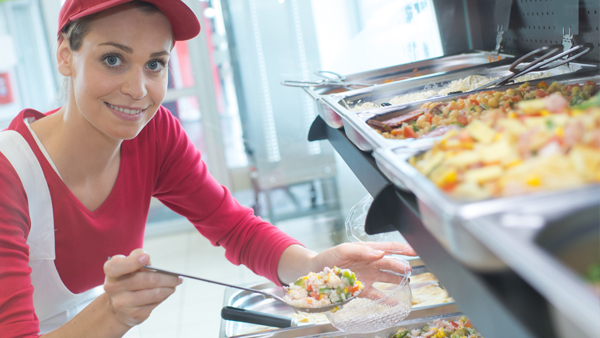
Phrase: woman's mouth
(126, 110)
(127, 114)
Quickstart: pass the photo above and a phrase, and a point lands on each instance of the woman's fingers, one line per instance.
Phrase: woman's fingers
(360, 253)
(144, 280)
(120, 265)
(396, 248)
(133, 291)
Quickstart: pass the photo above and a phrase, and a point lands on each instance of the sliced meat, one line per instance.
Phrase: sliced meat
(397, 121)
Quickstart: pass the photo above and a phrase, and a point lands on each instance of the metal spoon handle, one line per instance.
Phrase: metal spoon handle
(266, 294)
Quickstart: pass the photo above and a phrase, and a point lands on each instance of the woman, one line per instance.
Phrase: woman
(76, 184)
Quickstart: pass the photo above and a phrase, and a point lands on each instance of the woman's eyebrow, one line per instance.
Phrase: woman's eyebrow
(157, 54)
(121, 47)
(130, 50)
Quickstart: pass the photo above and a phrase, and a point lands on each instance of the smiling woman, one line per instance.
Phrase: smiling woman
(76, 184)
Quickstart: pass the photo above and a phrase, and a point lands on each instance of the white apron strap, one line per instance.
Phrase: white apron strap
(54, 304)
(19, 154)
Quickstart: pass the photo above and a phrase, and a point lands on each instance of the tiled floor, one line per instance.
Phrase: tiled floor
(194, 309)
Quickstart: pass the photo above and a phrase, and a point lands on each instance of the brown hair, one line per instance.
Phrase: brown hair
(76, 30)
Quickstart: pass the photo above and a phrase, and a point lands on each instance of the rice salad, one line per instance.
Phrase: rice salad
(324, 288)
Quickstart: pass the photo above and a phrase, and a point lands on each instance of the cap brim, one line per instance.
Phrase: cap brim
(184, 23)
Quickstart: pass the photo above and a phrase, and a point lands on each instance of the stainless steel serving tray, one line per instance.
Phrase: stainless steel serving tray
(395, 73)
(446, 217)
(519, 238)
(407, 324)
(367, 139)
(255, 302)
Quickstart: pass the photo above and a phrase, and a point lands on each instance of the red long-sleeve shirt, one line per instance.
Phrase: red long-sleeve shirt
(161, 162)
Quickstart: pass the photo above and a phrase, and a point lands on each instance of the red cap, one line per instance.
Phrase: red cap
(183, 21)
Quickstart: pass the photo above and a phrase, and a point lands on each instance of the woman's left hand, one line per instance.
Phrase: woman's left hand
(367, 260)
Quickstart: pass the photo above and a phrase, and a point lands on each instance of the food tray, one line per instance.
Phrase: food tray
(367, 139)
(255, 302)
(445, 217)
(394, 73)
(538, 249)
(408, 324)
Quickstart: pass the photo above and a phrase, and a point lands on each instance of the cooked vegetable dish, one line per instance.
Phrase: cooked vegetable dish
(541, 144)
(461, 328)
(437, 118)
(323, 288)
(461, 85)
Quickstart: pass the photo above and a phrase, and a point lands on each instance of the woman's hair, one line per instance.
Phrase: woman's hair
(76, 30)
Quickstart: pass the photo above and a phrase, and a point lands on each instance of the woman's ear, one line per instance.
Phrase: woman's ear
(64, 57)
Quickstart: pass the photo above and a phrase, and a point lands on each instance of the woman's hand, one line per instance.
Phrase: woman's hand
(349, 255)
(133, 292)
(365, 259)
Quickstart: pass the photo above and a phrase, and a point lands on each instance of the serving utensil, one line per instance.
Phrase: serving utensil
(551, 58)
(330, 79)
(266, 294)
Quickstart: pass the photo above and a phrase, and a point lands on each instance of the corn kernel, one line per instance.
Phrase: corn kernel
(544, 112)
(560, 132)
(512, 115)
(534, 181)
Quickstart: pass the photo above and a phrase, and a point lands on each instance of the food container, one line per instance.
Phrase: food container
(397, 73)
(573, 241)
(367, 139)
(254, 302)
(444, 215)
(415, 323)
(550, 243)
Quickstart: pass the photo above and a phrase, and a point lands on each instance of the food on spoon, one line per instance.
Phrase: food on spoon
(324, 288)
(540, 145)
(490, 104)
(441, 328)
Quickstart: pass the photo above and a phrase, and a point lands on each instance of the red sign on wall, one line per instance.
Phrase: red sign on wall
(5, 89)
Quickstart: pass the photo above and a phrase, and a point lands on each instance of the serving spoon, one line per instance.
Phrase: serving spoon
(266, 294)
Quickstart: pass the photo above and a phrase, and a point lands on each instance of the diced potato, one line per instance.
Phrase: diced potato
(586, 161)
(481, 131)
(531, 106)
(427, 166)
(470, 190)
(558, 120)
(498, 152)
(538, 121)
(512, 126)
(464, 159)
(484, 174)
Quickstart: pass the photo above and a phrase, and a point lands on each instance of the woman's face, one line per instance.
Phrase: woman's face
(119, 74)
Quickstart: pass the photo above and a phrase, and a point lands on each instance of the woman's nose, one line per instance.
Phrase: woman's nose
(135, 84)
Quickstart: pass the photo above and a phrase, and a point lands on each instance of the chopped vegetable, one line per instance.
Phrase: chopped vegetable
(323, 288)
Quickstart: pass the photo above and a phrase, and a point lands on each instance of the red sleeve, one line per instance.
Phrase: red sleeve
(17, 315)
(185, 185)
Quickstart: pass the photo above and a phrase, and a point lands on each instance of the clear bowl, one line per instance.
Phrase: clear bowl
(385, 301)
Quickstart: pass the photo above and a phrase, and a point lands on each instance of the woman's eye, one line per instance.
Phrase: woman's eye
(155, 65)
(113, 61)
